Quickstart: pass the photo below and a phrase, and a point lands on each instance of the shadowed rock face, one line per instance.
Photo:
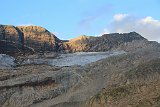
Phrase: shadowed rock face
(9, 39)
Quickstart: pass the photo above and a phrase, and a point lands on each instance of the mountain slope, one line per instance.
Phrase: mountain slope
(117, 81)
(102, 43)
(140, 87)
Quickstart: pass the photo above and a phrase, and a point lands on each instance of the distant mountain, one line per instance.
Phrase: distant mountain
(30, 39)
(102, 43)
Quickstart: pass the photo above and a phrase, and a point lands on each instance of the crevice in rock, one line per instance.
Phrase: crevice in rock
(45, 81)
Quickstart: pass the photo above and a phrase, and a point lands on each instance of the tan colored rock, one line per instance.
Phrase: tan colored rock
(26, 38)
(38, 38)
(105, 42)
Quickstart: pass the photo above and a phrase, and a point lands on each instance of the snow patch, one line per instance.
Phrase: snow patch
(82, 58)
(6, 61)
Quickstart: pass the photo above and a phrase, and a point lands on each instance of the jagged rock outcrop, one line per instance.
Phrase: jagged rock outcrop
(103, 43)
(78, 44)
(39, 38)
(26, 38)
(9, 39)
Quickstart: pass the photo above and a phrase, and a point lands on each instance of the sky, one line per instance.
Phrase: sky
(71, 18)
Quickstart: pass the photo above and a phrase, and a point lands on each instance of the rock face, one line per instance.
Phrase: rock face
(10, 41)
(26, 38)
(103, 43)
(37, 39)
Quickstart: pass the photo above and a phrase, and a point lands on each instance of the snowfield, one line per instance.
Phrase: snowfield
(79, 58)
(6, 61)
(82, 58)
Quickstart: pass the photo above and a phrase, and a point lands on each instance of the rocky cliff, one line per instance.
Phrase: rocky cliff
(102, 43)
(26, 38)
(37, 39)
(10, 40)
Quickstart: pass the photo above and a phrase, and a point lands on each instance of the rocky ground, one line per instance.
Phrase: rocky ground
(115, 81)
(37, 79)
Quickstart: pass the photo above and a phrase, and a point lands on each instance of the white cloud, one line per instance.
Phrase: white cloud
(119, 17)
(150, 20)
(147, 26)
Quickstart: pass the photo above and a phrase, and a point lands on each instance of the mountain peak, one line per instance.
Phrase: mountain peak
(128, 37)
(32, 28)
(81, 37)
(23, 38)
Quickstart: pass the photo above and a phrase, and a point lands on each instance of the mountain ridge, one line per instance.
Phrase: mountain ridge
(35, 37)
(30, 39)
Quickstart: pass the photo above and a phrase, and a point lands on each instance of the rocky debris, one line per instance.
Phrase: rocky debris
(33, 88)
(106, 79)
(29, 84)
(50, 86)
(122, 87)
(133, 85)
(137, 45)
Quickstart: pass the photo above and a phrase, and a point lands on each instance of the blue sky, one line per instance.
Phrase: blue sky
(71, 18)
